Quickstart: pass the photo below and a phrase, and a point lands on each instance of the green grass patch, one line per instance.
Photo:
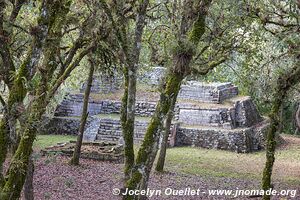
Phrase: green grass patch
(43, 141)
(218, 163)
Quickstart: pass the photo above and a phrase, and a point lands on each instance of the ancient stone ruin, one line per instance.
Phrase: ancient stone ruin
(102, 151)
(209, 115)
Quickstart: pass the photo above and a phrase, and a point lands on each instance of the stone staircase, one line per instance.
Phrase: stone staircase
(90, 133)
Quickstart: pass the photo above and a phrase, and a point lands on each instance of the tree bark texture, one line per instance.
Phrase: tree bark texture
(284, 83)
(191, 30)
(164, 144)
(52, 16)
(28, 185)
(129, 96)
(77, 149)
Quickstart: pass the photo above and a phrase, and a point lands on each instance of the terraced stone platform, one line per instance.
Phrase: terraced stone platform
(206, 115)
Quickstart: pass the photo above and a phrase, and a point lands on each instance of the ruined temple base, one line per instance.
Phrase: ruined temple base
(102, 151)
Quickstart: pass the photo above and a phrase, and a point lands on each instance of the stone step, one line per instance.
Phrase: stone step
(221, 117)
(216, 127)
(207, 92)
(115, 138)
(235, 113)
(240, 140)
(91, 130)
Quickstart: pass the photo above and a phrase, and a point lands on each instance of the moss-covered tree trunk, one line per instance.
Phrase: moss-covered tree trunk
(19, 164)
(147, 152)
(191, 30)
(28, 185)
(8, 122)
(127, 132)
(50, 21)
(84, 115)
(4, 131)
(164, 143)
(130, 74)
(284, 83)
(17, 93)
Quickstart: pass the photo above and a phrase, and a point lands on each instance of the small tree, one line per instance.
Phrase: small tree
(84, 115)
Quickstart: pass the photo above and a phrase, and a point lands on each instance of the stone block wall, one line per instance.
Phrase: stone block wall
(153, 76)
(239, 140)
(243, 113)
(72, 106)
(206, 121)
(104, 84)
(214, 93)
(212, 139)
(111, 130)
(60, 126)
(206, 117)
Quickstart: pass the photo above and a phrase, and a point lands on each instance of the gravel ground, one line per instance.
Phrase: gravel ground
(54, 179)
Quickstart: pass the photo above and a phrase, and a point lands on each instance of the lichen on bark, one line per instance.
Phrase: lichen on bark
(284, 83)
(52, 14)
(148, 150)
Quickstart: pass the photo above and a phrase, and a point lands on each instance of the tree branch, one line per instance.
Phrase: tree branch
(69, 69)
(16, 9)
(211, 65)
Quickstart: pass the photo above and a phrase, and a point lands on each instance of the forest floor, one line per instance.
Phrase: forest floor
(186, 167)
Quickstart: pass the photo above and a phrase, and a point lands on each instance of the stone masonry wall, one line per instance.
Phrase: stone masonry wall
(104, 84)
(111, 130)
(242, 114)
(202, 115)
(153, 76)
(245, 113)
(238, 140)
(215, 93)
(206, 117)
(60, 126)
(72, 106)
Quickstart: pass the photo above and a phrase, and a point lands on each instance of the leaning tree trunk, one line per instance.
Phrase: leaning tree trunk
(19, 164)
(8, 122)
(164, 143)
(271, 140)
(284, 83)
(77, 150)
